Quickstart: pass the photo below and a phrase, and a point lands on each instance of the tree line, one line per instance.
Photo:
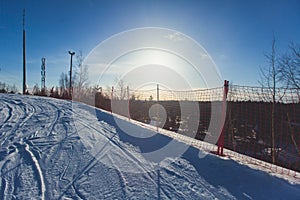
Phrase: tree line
(6, 88)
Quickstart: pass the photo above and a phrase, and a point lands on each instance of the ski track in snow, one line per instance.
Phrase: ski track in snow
(39, 171)
(42, 156)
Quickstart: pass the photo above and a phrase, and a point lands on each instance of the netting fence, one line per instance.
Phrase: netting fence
(261, 123)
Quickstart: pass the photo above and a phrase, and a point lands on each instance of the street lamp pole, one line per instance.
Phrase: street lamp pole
(70, 87)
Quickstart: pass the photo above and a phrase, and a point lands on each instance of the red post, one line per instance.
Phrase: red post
(157, 99)
(221, 138)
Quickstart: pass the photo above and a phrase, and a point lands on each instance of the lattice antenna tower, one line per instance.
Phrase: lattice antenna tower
(43, 75)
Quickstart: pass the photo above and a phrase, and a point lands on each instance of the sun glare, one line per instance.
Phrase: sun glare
(155, 55)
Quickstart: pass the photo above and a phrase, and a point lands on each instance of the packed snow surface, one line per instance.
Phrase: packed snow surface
(55, 149)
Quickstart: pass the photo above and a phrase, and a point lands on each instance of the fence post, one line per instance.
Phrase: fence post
(157, 98)
(101, 102)
(221, 138)
(112, 97)
(128, 99)
(101, 99)
(157, 93)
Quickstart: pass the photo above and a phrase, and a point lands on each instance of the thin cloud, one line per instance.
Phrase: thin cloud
(204, 56)
(175, 37)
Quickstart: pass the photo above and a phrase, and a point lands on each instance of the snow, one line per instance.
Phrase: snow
(55, 149)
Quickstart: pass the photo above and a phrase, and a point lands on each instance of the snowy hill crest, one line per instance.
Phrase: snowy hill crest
(49, 150)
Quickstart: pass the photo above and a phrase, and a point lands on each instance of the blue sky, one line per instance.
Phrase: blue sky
(236, 34)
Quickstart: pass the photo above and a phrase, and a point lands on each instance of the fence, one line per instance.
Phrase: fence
(256, 124)
(264, 127)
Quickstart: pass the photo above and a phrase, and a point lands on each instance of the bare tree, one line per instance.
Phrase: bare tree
(81, 80)
(63, 85)
(270, 78)
(290, 75)
(36, 90)
(2, 87)
(290, 67)
(62, 82)
(13, 89)
(121, 90)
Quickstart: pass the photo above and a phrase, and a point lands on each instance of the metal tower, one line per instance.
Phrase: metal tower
(43, 75)
(24, 55)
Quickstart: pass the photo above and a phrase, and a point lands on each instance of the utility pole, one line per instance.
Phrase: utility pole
(70, 87)
(24, 55)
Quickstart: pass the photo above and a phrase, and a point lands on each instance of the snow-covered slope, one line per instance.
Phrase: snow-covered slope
(53, 149)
